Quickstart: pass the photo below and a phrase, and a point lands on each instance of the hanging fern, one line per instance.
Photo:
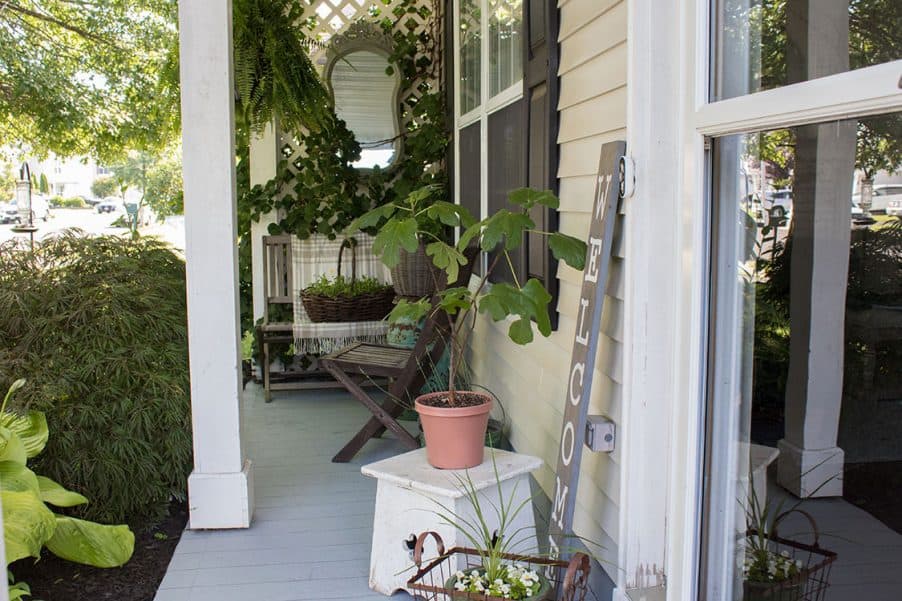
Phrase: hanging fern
(274, 76)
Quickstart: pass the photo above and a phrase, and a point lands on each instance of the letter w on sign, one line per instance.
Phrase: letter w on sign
(585, 344)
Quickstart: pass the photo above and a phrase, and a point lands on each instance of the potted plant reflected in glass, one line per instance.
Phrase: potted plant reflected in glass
(454, 421)
(775, 568)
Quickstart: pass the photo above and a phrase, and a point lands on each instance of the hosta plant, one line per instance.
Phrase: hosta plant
(28, 523)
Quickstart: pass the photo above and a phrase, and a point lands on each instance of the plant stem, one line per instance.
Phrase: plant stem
(457, 324)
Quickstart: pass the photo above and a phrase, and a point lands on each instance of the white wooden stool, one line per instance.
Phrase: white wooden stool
(407, 497)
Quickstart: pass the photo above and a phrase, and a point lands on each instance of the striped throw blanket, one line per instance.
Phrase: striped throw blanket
(317, 256)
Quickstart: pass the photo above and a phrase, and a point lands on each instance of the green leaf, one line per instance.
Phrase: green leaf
(27, 524)
(521, 331)
(18, 591)
(31, 429)
(568, 249)
(529, 303)
(505, 226)
(537, 300)
(55, 494)
(14, 387)
(421, 194)
(455, 299)
(446, 258)
(501, 300)
(372, 218)
(11, 447)
(468, 235)
(409, 311)
(395, 235)
(90, 543)
(529, 197)
(16, 477)
(450, 214)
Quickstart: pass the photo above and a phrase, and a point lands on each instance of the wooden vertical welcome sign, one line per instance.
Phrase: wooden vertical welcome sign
(585, 344)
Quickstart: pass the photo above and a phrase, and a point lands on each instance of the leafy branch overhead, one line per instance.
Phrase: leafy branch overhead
(90, 78)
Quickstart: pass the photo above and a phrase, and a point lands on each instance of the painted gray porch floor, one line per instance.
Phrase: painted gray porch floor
(311, 532)
(868, 564)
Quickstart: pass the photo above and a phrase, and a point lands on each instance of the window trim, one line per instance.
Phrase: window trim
(866, 91)
(487, 105)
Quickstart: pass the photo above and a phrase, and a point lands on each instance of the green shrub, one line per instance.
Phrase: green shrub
(99, 327)
(73, 202)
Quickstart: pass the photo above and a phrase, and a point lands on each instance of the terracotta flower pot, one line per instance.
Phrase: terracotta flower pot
(455, 436)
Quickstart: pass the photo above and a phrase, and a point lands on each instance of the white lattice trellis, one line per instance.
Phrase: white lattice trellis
(334, 17)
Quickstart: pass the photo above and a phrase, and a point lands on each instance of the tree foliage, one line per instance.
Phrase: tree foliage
(104, 186)
(82, 77)
(875, 37)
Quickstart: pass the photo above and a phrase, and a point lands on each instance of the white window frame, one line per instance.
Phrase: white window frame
(487, 105)
(668, 244)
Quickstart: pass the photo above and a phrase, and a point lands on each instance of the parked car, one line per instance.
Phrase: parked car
(894, 207)
(8, 212)
(40, 210)
(884, 196)
(110, 204)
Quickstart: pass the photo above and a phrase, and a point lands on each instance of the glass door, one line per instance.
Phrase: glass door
(803, 453)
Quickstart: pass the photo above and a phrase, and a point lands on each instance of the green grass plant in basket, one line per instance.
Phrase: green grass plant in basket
(347, 299)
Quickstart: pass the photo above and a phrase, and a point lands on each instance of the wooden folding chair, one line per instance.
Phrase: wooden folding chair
(407, 368)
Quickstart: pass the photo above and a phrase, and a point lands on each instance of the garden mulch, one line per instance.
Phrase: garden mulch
(53, 579)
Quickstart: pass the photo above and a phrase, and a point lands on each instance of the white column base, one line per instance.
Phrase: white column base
(218, 501)
(809, 473)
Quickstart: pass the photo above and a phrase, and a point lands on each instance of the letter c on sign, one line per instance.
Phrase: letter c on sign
(567, 446)
(576, 386)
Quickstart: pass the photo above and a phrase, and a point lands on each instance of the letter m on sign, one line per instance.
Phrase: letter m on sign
(585, 343)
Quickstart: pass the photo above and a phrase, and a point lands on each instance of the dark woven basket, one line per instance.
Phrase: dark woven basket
(415, 276)
(370, 306)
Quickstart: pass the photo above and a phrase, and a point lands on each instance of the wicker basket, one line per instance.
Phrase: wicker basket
(569, 580)
(415, 276)
(812, 581)
(370, 306)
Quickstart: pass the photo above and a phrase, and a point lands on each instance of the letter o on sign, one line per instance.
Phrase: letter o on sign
(567, 439)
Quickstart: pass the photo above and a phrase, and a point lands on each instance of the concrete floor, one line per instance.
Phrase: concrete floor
(311, 532)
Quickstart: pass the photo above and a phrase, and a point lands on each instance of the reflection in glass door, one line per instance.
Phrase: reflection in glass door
(805, 394)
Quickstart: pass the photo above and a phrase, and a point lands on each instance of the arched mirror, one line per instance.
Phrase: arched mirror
(365, 96)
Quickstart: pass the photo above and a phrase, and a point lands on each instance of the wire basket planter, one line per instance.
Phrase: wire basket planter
(429, 583)
(813, 577)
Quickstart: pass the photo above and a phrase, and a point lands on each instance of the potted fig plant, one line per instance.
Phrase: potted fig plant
(454, 421)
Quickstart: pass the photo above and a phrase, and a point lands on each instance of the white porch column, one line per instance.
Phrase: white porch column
(264, 157)
(220, 489)
(811, 465)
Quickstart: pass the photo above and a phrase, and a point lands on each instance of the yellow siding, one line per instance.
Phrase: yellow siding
(531, 380)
